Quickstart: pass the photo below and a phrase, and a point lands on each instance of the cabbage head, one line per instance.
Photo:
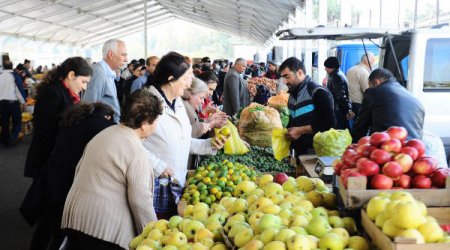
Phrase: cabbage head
(332, 142)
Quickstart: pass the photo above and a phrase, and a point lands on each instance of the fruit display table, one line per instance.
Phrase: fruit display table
(356, 195)
(382, 241)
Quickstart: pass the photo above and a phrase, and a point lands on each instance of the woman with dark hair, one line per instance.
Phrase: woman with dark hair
(111, 198)
(170, 145)
(79, 124)
(211, 97)
(59, 90)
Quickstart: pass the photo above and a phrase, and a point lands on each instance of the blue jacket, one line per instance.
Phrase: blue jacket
(102, 88)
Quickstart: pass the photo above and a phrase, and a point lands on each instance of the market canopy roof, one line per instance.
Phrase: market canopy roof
(88, 22)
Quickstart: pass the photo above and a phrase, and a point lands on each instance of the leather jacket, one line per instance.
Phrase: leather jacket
(389, 104)
(338, 85)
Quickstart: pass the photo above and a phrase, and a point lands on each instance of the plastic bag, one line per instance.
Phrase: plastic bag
(280, 144)
(332, 142)
(256, 124)
(234, 145)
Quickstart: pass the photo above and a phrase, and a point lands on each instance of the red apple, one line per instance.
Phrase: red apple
(381, 181)
(397, 132)
(392, 169)
(413, 152)
(439, 177)
(365, 150)
(337, 166)
(421, 181)
(380, 156)
(352, 146)
(418, 144)
(392, 145)
(425, 165)
(405, 160)
(367, 167)
(364, 140)
(349, 157)
(377, 138)
(280, 178)
(404, 181)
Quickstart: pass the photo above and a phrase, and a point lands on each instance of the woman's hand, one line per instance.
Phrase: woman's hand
(218, 141)
(167, 172)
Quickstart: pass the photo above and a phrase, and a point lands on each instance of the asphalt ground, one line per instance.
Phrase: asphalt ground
(15, 233)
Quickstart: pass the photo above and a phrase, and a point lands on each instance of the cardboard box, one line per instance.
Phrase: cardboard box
(357, 193)
(383, 242)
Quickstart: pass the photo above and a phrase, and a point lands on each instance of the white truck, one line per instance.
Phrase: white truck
(419, 59)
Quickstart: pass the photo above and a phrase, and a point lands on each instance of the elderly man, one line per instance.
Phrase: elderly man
(386, 103)
(235, 92)
(358, 81)
(310, 106)
(150, 65)
(102, 87)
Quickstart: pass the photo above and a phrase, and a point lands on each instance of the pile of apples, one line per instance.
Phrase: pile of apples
(266, 215)
(389, 161)
(399, 214)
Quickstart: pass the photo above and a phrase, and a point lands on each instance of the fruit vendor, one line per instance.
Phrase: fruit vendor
(170, 145)
(386, 103)
(310, 106)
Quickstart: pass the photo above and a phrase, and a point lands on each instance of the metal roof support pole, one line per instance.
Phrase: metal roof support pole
(415, 14)
(299, 19)
(323, 44)
(145, 29)
(381, 13)
(308, 43)
(437, 12)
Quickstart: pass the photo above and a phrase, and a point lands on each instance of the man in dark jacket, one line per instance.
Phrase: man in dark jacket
(386, 103)
(338, 85)
(310, 106)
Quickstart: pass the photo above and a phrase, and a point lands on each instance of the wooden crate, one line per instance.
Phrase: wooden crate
(357, 193)
(383, 242)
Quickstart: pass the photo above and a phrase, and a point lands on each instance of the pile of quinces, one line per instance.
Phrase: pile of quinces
(400, 215)
(216, 180)
(264, 215)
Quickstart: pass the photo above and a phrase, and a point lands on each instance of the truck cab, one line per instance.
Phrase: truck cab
(419, 59)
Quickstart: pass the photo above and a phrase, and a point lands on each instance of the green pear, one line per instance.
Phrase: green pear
(284, 234)
(269, 221)
(318, 227)
(336, 222)
(242, 237)
(350, 225)
(174, 221)
(358, 243)
(298, 242)
(331, 241)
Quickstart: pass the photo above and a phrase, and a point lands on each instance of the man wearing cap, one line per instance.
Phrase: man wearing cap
(11, 100)
(338, 85)
(272, 72)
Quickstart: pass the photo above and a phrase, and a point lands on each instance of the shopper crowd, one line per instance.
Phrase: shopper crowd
(112, 142)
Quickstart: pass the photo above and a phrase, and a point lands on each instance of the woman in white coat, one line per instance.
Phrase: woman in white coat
(170, 144)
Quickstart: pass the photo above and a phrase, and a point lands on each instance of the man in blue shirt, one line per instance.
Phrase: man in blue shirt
(102, 87)
(150, 65)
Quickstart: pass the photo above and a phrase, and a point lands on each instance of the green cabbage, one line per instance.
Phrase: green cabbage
(332, 142)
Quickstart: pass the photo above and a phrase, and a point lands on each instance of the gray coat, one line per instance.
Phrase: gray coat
(235, 93)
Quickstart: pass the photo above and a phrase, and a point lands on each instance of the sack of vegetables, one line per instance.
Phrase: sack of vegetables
(332, 142)
(256, 124)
